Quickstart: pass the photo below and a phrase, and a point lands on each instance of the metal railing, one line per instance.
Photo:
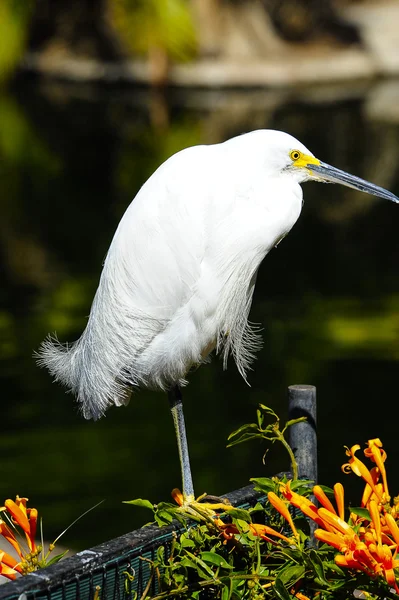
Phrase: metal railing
(116, 568)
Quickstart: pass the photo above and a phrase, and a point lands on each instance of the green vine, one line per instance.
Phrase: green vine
(271, 432)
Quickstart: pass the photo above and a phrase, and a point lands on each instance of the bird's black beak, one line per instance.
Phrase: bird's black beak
(324, 172)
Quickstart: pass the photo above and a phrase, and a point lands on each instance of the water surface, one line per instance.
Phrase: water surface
(72, 158)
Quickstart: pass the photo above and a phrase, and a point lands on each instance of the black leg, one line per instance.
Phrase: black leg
(176, 408)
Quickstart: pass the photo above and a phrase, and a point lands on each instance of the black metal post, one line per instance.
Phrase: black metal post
(302, 437)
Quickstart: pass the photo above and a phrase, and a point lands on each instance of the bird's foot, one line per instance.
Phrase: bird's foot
(204, 507)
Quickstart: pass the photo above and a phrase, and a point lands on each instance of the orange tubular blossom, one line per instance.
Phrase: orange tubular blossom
(301, 596)
(33, 525)
(388, 565)
(393, 527)
(375, 518)
(177, 496)
(10, 561)
(18, 515)
(351, 563)
(7, 571)
(10, 537)
(339, 499)
(281, 507)
(336, 522)
(391, 579)
(368, 490)
(333, 539)
(323, 499)
(229, 531)
(21, 503)
(264, 530)
(375, 453)
(304, 504)
(360, 469)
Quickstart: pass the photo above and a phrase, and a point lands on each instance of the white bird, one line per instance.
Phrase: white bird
(179, 276)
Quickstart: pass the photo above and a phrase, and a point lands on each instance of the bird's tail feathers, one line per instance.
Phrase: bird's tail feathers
(72, 365)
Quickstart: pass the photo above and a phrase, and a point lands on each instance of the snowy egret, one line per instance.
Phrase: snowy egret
(179, 276)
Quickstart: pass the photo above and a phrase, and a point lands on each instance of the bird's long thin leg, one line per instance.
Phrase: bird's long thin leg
(176, 408)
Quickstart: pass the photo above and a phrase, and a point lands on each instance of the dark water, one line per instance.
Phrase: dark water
(72, 158)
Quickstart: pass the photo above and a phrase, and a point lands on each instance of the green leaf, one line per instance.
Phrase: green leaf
(215, 559)
(140, 502)
(227, 591)
(318, 567)
(244, 433)
(240, 513)
(243, 526)
(263, 484)
(198, 565)
(161, 554)
(238, 441)
(243, 429)
(292, 574)
(361, 512)
(182, 520)
(295, 421)
(302, 486)
(179, 578)
(268, 410)
(164, 516)
(336, 569)
(56, 559)
(187, 562)
(186, 542)
(339, 584)
(280, 591)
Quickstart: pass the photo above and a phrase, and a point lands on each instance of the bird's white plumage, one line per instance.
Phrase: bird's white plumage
(180, 272)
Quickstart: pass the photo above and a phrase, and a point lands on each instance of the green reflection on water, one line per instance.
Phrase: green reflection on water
(71, 160)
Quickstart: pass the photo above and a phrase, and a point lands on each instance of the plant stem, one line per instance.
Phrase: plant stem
(147, 587)
(294, 466)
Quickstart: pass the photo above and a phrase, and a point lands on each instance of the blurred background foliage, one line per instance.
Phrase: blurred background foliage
(14, 30)
(149, 26)
(72, 156)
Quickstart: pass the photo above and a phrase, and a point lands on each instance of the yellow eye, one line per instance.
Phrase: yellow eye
(295, 154)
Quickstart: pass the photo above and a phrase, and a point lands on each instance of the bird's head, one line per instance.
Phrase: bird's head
(300, 163)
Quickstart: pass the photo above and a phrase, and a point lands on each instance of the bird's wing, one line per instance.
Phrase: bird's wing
(158, 247)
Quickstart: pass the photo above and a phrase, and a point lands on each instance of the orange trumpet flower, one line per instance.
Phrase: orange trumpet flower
(375, 518)
(368, 490)
(281, 507)
(323, 499)
(359, 468)
(339, 499)
(333, 539)
(375, 453)
(18, 515)
(304, 504)
(7, 534)
(393, 527)
(17, 523)
(264, 531)
(7, 571)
